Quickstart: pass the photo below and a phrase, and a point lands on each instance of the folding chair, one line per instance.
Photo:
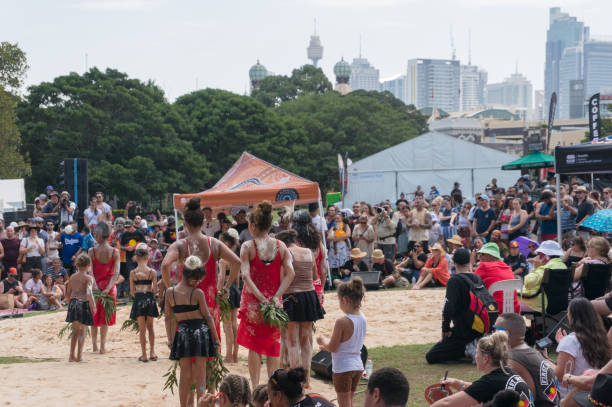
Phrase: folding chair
(595, 280)
(508, 287)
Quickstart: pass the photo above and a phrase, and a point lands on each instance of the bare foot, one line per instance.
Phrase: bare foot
(228, 359)
(79, 359)
(71, 359)
(102, 351)
(235, 356)
(95, 349)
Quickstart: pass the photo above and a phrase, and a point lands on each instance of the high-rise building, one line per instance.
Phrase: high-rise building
(539, 105)
(597, 66)
(564, 31)
(433, 83)
(363, 75)
(570, 69)
(576, 99)
(396, 85)
(473, 87)
(515, 91)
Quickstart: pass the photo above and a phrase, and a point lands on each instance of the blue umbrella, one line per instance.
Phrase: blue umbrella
(600, 221)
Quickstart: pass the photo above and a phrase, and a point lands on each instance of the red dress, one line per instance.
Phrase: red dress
(318, 284)
(253, 333)
(103, 274)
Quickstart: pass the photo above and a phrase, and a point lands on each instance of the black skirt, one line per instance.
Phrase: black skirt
(234, 296)
(303, 306)
(144, 305)
(193, 338)
(79, 311)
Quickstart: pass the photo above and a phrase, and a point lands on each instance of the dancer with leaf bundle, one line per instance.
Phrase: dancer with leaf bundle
(196, 337)
(105, 260)
(143, 287)
(267, 272)
(230, 300)
(81, 306)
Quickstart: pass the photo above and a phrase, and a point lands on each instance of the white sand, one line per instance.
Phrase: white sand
(117, 379)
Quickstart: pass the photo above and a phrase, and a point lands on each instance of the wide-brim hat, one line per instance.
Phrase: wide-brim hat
(21, 224)
(456, 239)
(437, 246)
(550, 248)
(378, 254)
(581, 188)
(600, 395)
(356, 253)
(492, 249)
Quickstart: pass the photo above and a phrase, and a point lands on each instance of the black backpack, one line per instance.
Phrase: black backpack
(483, 306)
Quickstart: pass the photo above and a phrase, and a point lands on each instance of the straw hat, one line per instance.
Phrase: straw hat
(378, 254)
(456, 239)
(437, 246)
(356, 253)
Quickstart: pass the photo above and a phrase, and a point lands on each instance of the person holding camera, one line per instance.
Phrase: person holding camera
(66, 209)
(51, 209)
(385, 227)
(91, 213)
(411, 266)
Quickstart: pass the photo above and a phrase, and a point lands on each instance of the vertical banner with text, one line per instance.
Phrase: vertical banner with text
(594, 129)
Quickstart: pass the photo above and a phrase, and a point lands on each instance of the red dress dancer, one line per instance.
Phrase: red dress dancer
(318, 284)
(103, 274)
(253, 333)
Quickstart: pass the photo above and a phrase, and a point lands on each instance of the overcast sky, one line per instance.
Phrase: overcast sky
(178, 42)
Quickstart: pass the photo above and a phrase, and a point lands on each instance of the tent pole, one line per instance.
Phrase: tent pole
(592, 182)
(396, 187)
(558, 188)
(324, 238)
(176, 220)
(472, 171)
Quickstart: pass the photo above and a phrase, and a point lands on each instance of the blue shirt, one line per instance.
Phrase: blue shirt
(88, 242)
(484, 219)
(70, 245)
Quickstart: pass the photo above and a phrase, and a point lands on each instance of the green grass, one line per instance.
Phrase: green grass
(35, 314)
(9, 360)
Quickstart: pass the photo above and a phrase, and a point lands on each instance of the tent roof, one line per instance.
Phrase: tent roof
(432, 151)
(252, 180)
(537, 159)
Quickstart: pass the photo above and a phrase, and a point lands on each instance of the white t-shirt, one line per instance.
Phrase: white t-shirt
(571, 346)
(53, 245)
(33, 250)
(92, 217)
(33, 287)
(209, 227)
(319, 223)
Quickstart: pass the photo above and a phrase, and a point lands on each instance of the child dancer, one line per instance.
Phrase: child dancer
(346, 342)
(196, 337)
(143, 287)
(230, 323)
(82, 305)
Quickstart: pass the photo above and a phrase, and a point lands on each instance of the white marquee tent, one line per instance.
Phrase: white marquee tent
(430, 159)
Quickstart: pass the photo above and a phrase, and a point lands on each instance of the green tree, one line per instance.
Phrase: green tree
(136, 143)
(13, 66)
(276, 89)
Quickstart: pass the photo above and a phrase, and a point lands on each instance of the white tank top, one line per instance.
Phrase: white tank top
(348, 356)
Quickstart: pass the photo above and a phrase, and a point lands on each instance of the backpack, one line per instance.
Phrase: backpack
(483, 306)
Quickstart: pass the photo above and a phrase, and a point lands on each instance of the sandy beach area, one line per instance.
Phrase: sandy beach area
(117, 379)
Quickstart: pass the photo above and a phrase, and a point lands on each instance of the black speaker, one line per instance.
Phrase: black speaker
(371, 279)
(74, 179)
(321, 363)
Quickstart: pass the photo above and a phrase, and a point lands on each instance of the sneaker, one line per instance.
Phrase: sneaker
(470, 350)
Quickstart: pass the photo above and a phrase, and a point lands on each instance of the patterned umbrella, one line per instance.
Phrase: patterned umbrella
(600, 221)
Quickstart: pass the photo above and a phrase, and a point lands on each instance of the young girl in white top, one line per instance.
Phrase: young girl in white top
(346, 342)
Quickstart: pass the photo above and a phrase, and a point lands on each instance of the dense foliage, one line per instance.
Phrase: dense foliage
(276, 89)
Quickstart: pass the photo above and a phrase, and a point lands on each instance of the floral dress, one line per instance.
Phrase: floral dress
(339, 252)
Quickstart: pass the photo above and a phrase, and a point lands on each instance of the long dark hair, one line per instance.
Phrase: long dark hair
(589, 329)
(307, 233)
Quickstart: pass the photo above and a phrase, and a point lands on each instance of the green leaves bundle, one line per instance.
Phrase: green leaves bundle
(274, 316)
(107, 302)
(69, 329)
(171, 379)
(130, 324)
(225, 308)
(215, 372)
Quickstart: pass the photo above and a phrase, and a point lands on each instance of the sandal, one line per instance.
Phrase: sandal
(153, 358)
(140, 359)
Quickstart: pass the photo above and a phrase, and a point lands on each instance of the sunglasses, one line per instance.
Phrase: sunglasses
(499, 328)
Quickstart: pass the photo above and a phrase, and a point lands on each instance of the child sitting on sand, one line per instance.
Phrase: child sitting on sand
(346, 342)
(82, 305)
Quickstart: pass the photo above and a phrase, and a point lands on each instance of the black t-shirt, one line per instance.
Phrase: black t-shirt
(583, 210)
(386, 268)
(456, 305)
(528, 206)
(241, 226)
(169, 236)
(485, 388)
(349, 266)
(48, 208)
(516, 262)
(131, 239)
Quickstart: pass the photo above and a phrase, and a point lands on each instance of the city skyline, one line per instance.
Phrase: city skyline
(181, 45)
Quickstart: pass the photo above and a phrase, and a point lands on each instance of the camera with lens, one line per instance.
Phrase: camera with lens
(378, 209)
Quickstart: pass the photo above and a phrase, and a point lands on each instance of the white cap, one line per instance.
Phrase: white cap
(68, 230)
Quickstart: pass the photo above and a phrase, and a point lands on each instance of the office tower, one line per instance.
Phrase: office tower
(564, 31)
(342, 70)
(515, 91)
(597, 66)
(433, 83)
(396, 85)
(570, 70)
(473, 84)
(363, 75)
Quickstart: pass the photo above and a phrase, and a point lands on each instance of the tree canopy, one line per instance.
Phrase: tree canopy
(276, 89)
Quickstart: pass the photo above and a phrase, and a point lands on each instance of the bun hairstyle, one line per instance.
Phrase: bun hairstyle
(194, 269)
(226, 237)
(496, 347)
(142, 250)
(261, 217)
(289, 382)
(83, 260)
(287, 236)
(354, 290)
(236, 388)
(194, 216)
(307, 233)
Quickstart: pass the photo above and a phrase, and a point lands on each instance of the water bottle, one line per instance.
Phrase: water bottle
(368, 368)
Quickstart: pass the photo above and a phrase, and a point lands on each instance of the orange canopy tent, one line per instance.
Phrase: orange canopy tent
(252, 180)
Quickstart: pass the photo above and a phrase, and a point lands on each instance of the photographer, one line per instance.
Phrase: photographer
(51, 209)
(66, 209)
(411, 266)
(385, 227)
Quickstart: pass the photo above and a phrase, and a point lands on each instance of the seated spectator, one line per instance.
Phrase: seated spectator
(549, 257)
(496, 237)
(234, 391)
(61, 281)
(492, 269)
(285, 389)
(474, 256)
(456, 310)
(576, 251)
(598, 252)
(11, 285)
(56, 268)
(586, 347)
(600, 395)
(355, 263)
(454, 243)
(387, 387)
(517, 261)
(538, 372)
(51, 295)
(33, 288)
(491, 359)
(411, 266)
(435, 271)
(388, 274)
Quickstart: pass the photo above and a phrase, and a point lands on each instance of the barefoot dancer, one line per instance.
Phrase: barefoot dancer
(230, 324)
(196, 337)
(267, 273)
(105, 260)
(143, 287)
(82, 306)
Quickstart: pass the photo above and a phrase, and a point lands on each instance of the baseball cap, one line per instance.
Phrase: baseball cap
(514, 243)
(12, 270)
(38, 219)
(128, 223)
(484, 196)
(42, 197)
(49, 187)
(171, 220)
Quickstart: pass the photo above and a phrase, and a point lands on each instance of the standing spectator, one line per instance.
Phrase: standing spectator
(595, 198)
(484, 218)
(226, 224)
(492, 269)
(2, 230)
(10, 246)
(456, 190)
(607, 203)
(568, 217)
(91, 213)
(517, 261)
(71, 241)
(545, 213)
(464, 223)
(105, 212)
(88, 240)
(518, 224)
(585, 209)
(129, 240)
(33, 248)
(421, 223)
(51, 208)
(39, 203)
(385, 226)
(402, 198)
(317, 220)
(52, 248)
(67, 209)
(447, 219)
(241, 221)
(169, 235)
(435, 272)
(404, 216)
(210, 225)
(433, 193)
(363, 237)
(338, 238)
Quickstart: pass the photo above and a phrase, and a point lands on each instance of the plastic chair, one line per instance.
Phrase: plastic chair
(507, 287)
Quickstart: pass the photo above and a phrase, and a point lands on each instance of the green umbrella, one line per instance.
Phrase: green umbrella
(537, 159)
